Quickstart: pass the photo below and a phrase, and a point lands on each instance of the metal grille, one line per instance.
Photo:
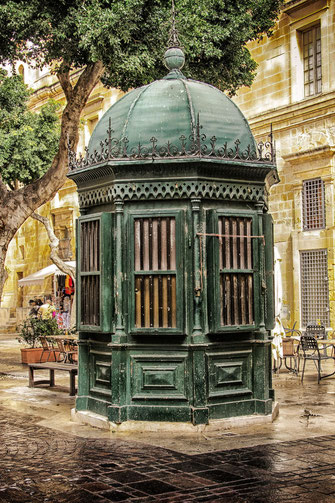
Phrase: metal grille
(313, 196)
(312, 61)
(314, 287)
(155, 272)
(90, 272)
(236, 271)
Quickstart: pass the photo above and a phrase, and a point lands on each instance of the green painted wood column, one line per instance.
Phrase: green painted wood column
(197, 292)
(262, 330)
(83, 376)
(120, 335)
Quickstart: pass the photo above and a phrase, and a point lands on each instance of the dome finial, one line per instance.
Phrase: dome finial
(174, 57)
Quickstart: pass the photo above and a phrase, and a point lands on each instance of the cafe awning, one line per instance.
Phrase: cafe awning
(39, 276)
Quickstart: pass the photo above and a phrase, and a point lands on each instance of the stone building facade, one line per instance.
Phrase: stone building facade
(294, 92)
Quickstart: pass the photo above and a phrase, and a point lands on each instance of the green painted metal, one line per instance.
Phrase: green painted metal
(269, 272)
(167, 109)
(199, 370)
(105, 272)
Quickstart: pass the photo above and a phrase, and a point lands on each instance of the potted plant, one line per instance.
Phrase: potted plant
(30, 332)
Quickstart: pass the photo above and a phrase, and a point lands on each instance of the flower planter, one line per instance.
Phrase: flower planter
(33, 355)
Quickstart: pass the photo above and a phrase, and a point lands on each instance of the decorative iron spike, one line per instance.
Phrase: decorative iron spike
(173, 36)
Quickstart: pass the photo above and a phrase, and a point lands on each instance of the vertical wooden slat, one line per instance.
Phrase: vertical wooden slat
(163, 245)
(146, 302)
(221, 248)
(93, 244)
(228, 300)
(138, 302)
(156, 302)
(89, 246)
(151, 299)
(168, 244)
(98, 245)
(169, 317)
(249, 245)
(173, 302)
(141, 247)
(223, 301)
(137, 239)
(82, 254)
(159, 243)
(160, 299)
(250, 299)
(234, 240)
(150, 244)
(142, 301)
(242, 241)
(173, 244)
(164, 302)
(235, 300)
(155, 245)
(243, 300)
(145, 244)
(227, 245)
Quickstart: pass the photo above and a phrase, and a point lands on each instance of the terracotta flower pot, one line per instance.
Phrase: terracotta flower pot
(33, 355)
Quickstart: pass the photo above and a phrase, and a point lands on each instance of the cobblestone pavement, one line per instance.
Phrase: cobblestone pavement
(42, 465)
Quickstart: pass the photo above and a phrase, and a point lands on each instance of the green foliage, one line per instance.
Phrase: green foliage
(129, 36)
(28, 141)
(32, 328)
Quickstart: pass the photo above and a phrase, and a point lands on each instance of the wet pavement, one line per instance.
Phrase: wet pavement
(44, 457)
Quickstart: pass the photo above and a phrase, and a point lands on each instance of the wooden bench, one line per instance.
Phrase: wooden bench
(65, 367)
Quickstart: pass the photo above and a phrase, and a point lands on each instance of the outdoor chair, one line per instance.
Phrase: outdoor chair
(310, 351)
(291, 353)
(66, 354)
(47, 348)
(317, 331)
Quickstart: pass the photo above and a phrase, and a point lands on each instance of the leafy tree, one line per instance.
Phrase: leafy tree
(122, 43)
(28, 141)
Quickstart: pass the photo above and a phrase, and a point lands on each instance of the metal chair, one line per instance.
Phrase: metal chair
(291, 352)
(315, 330)
(67, 355)
(47, 348)
(310, 351)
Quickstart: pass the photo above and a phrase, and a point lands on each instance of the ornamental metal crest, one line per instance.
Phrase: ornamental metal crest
(196, 145)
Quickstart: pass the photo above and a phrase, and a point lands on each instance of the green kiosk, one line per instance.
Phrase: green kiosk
(174, 258)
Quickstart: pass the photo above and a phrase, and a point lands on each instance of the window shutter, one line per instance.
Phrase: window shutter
(157, 275)
(94, 266)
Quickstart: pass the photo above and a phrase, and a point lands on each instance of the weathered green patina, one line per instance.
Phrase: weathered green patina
(175, 258)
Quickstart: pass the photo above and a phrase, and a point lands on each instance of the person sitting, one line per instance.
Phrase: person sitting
(33, 313)
(47, 310)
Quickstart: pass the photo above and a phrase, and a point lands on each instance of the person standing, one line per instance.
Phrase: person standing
(47, 310)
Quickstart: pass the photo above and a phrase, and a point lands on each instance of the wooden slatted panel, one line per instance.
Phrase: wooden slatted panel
(90, 300)
(155, 294)
(90, 263)
(90, 246)
(235, 256)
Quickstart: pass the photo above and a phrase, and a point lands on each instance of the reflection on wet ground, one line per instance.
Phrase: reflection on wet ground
(46, 458)
(42, 465)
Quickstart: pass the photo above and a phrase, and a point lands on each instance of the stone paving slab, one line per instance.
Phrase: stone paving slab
(43, 465)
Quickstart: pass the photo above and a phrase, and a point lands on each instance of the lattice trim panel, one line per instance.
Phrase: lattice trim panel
(171, 190)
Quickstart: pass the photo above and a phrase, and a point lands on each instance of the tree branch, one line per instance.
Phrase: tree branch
(3, 190)
(54, 242)
(65, 82)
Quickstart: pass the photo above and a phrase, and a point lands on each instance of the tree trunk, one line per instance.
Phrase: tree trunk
(17, 205)
(53, 243)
